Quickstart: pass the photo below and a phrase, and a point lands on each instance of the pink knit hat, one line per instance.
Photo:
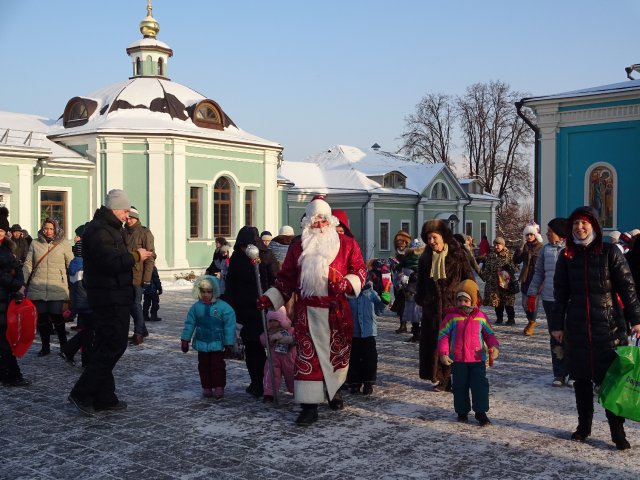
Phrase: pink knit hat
(281, 316)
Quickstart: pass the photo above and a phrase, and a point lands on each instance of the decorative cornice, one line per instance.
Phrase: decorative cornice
(587, 116)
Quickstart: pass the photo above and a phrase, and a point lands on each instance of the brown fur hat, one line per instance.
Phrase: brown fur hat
(438, 226)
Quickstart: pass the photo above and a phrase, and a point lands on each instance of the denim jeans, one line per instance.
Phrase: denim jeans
(136, 312)
(557, 351)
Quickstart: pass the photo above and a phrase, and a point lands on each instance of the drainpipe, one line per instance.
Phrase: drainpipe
(464, 213)
(536, 160)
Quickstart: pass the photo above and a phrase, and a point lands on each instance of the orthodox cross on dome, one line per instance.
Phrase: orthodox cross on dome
(149, 56)
(149, 27)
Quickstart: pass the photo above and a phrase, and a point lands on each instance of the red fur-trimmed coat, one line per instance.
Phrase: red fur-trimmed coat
(308, 364)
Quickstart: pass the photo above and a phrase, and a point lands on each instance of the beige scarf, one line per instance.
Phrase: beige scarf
(437, 263)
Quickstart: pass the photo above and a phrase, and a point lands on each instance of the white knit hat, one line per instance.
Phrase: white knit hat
(531, 228)
(634, 232)
(615, 235)
(317, 206)
(286, 230)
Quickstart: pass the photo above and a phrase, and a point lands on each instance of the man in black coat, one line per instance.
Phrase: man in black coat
(108, 282)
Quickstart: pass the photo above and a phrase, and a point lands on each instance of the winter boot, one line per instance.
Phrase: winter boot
(482, 418)
(336, 403)
(62, 334)
(584, 404)
(499, 320)
(308, 415)
(403, 327)
(616, 426)
(415, 333)
(528, 330)
(368, 388)
(511, 315)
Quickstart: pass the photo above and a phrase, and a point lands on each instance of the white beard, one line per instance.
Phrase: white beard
(319, 249)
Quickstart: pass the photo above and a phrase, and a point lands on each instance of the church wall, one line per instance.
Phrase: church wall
(580, 147)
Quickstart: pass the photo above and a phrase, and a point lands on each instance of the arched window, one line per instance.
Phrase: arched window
(439, 192)
(78, 111)
(207, 114)
(138, 66)
(601, 193)
(160, 67)
(222, 208)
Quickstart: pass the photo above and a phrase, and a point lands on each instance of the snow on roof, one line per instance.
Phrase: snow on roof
(25, 130)
(312, 177)
(140, 92)
(377, 162)
(148, 42)
(626, 86)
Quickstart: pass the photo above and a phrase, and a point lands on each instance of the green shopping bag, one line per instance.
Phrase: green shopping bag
(620, 389)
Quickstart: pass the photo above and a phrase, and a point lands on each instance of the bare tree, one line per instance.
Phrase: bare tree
(427, 136)
(495, 139)
(511, 218)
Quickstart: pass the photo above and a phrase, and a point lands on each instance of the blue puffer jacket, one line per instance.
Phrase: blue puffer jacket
(214, 325)
(364, 309)
(545, 270)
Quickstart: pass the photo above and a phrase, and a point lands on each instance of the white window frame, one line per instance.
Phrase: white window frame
(402, 222)
(388, 239)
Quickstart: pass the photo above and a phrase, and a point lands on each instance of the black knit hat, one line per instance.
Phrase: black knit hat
(559, 226)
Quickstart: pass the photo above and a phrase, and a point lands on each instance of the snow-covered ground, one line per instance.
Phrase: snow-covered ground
(405, 430)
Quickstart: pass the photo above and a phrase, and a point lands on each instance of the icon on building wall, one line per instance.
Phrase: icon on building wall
(601, 191)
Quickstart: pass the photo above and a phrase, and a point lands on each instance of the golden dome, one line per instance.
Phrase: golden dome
(149, 27)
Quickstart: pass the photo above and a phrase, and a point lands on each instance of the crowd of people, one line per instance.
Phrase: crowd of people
(304, 307)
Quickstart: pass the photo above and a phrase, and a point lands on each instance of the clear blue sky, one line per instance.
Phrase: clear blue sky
(313, 73)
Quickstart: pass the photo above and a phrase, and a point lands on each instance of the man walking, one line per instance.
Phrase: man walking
(108, 266)
(139, 237)
(321, 270)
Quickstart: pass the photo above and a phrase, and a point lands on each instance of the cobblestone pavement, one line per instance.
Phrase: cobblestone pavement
(405, 430)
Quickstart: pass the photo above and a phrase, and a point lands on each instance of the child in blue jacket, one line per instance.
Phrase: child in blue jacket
(213, 322)
(363, 363)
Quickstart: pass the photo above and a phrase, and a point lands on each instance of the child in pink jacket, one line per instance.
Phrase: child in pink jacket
(283, 352)
(463, 333)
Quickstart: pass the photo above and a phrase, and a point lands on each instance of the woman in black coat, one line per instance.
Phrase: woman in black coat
(241, 292)
(441, 267)
(588, 275)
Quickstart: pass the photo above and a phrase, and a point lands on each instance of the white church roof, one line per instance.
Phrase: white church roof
(23, 130)
(377, 162)
(620, 87)
(137, 116)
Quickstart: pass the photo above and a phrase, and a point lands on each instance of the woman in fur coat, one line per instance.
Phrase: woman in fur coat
(442, 266)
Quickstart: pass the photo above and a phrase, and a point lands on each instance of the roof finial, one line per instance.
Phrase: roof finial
(148, 26)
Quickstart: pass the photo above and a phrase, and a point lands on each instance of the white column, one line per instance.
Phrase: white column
(547, 173)
(370, 228)
(115, 164)
(157, 212)
(25, 190)
(179, 199)
(271, 210)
